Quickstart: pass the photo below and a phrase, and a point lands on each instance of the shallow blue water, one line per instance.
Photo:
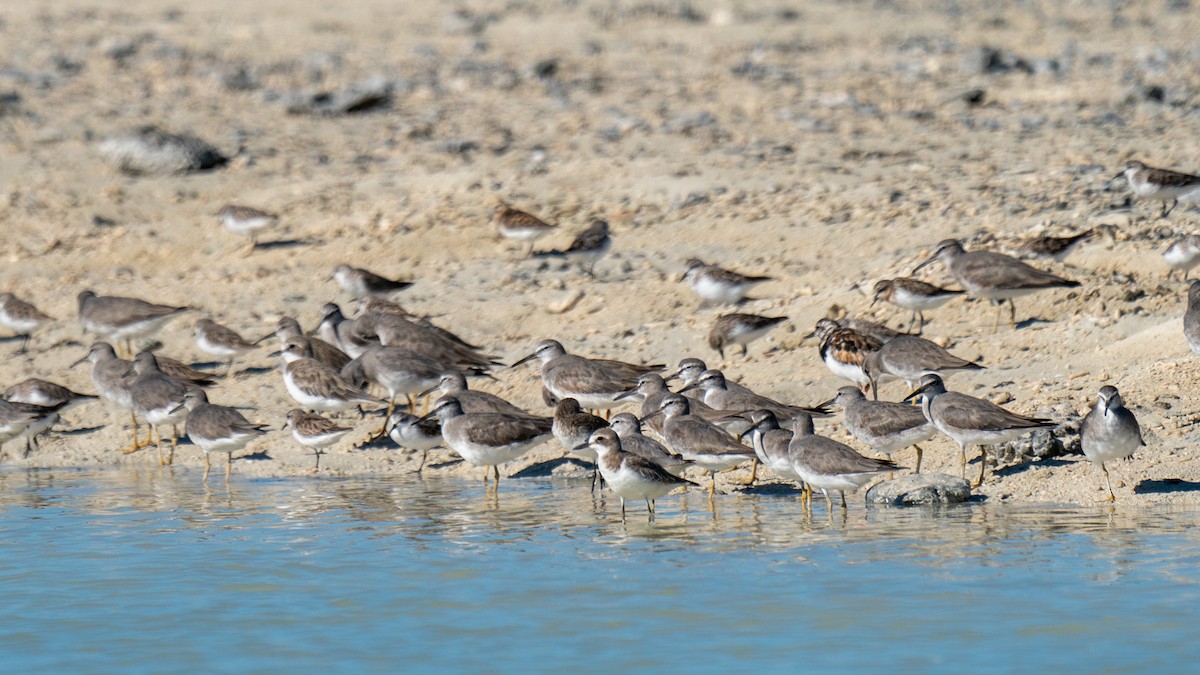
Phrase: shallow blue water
(150, 571)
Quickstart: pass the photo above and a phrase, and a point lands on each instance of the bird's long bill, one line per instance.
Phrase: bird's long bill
(673, 376)
(580, 447)
(429, 390)
(924, 264)
(527, 359)
(261, 339)
(1118, 176)
(825, 406)
(427, 417)
(656, 413)
(690, 387)
(85, 358)
(177, 408)
(915, 393)
(275, 354)
(752, 428)
(625, 394)
(127, 373)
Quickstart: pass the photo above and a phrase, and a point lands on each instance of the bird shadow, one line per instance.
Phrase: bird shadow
(771, 490)
(1165, 485)
(81, 431)
(1022, 467)
(286, 243)
(1030, 322)
(546, 469)
(377, 443)
(445, 464)
(254, 370)
(259, 456)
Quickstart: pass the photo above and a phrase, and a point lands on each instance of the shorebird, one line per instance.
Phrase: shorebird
(586, 249)
(876, 331)
(111, 376)
(914, 295)
(21, 317)
(316, 386)
(718, 396)
(573, 427)
(159, 399)
(994, 276)
(519, 225)
(16, 418)
(629, 429)
(288, 328)
(224, 343)
(362, 283)
(394, 330)
(47, 395)
(488, 439)
(1183, 254)
(1109, 432)
(337, 330)
(718, 285)
(689, 370)
(699, 441)
(825, 464)
(246, 221)
(414, 433)
(771, 442)
(1191, 318)
(314, 431)
(1058, 248)
(910, 358)
(652, 388)
(971, 421)
(845, 350)
(740, 330)
(183, 372)
(884, 426)
(595, 383)
(1161, 185)
(217, 428)
(453, 383)
(117, 318)
(398, 371)
(628, 475)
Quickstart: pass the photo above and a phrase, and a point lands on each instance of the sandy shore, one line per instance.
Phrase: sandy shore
(827, 145)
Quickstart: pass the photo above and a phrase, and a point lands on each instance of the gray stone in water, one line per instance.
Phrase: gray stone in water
(151, 151)
(920, 489)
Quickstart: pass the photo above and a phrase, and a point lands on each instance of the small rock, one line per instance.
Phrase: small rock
(356, 98)
(151, 151)
(920, 489)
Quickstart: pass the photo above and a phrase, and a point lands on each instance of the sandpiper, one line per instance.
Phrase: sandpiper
(117, 318)
(826, 464)
(15, 419)
(394, 330)
(884, 426)
(453, 383)
(876, 331)
(914, 295)
(183, 372)
(995, 276)
(48, 395)
(689, 370)
(595, 383)
(1058, 248)
(314, 431)
(398, 371)
(719, 396)
(771, 442)
(628, 475)
(488, 439)
(586, 249)
(224, 343)
(1161, 185)
(573, 427)
(362, 283)
(1182, 255)
(217, 428)
(700, 441)
(629, 428)
(246, 221)
(111, 376)
(971, 421)
(519, 225)
(316, 386)
(1109, 432)
(339, 331)
(21, 317)
(1191, 318)
(718, 285)
(159, 399)
(910, 358)
(740, 330)
(415, 433)
(288, 328)
(845, 350)
(652, 388)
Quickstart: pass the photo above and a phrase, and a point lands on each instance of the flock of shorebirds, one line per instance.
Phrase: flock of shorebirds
(711, 423)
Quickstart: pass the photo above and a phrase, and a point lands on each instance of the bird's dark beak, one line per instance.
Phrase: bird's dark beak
(85, 358)
(275, 354)
(825, 406)
(913, 395)
(484, 373)
(625, 394)
(690, 387)
(428, 416)
(527, 359)
(581, 446)
(177, 408)
(429, 390)
(263, 338)
(672, 377)
(656, 413)
(1118, 176)
(128, 373)
(927, 262)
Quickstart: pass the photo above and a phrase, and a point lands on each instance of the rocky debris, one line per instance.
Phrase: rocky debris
(360, 97)
(987, 60)
(1041, 444)
(151, 151)
(920, 489)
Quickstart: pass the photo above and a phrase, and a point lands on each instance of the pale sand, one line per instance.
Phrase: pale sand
(830, 148)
